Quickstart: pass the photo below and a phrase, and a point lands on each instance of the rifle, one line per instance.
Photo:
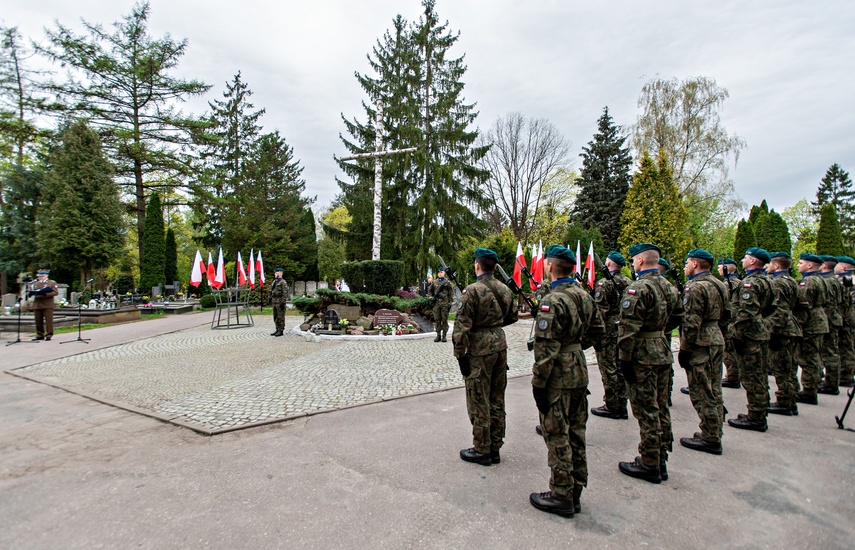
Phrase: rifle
(608, 275)
(452, 275)
(525, 271)
(512, 284)
(678, 279)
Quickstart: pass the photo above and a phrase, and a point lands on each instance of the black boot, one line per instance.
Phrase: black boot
(552, 503)
(777, 408)
(606, 412)
(495, 457)
(538, 429)
(828, 390)
(807, 399)
(746, 423)
(444, 333)
(638, 469)
(663, 471)
(699, 444)
(438, 336)
(685, 390)
(577, 500)
(471, 455)
(277, 333)
(725, 383)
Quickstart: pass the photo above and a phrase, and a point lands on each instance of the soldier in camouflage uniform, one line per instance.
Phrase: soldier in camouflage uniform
(834, 305)
(707, 310)
(567, 323)
(846, 341)
(607, 296)
(481, 352)
(785, 333)
(811, 316)
(441, 293)
(756, 300)
(675, 285)
(648, 310)
(278, 297)
(728, 270)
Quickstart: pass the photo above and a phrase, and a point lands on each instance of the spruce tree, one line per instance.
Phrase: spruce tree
(745, 239)
(170, 258)
(604, 180)
(80, 216)
(773, 234)
(153, 264)
(653, 211)
(18, 244)
(309, 246)
(836, 188)
(578, 233)
(828, 237)
(755, 217)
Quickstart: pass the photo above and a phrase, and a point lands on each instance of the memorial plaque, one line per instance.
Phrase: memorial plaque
(351, 313)
(387, 317)
(331, 319)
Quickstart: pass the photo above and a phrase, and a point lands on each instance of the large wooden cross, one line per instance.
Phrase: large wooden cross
(377, 155)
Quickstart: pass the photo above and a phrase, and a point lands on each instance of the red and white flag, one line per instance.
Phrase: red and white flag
(198, 269)
(533, 281)
(220, 278)
(538, 275)
(210, 271)
(589, 265)
(241, 272)
(251, 264)
(578, 256)
(259, 267)
(517, 268)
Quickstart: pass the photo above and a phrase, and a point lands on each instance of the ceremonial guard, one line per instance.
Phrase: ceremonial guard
(811, 316)
(785, 332)
(607, 296)
(481, 351)
(43, 292)
(441, 294)
(648, 311)
(278, 298)
(727, 268)
(707, 311)
(834, 304)
(568, 322)
(846, 341)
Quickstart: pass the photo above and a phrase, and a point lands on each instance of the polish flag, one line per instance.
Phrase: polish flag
(241, 272)
(539, 273)
(578, 255)
(259, 267)
(517, 268)
(533, 281)
(198, 269)
(589, 265)
(251, 264)
(220, 279)
(210, 271)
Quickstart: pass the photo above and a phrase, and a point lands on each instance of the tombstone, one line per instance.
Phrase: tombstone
(9, 300)
(311, 287)
(75, 296)
(351, 313)
(331, 319)
(63, 291)
(323, 284)
(387, 317)
(156, 291)
(93, 304)
(423, 287)
(299, 288)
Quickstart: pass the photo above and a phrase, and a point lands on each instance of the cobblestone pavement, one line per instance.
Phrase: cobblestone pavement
(221, 380)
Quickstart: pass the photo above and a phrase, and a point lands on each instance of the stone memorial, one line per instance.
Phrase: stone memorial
(351, 313)
(9, 300)
(323, 284)
(75, 296)
(387, 317)
(62, 289)
(311, 287)
(331, 320)
(299, 288)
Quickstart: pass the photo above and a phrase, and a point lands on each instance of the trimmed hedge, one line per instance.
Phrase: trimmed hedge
(378, 277)
(208, 301)
(368, 302)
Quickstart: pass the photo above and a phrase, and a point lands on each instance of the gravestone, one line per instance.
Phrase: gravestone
(299, 288)
(74, 297)
(351, 313)
(331, 318)
(323, 284)
(63, 291)
(387, 317)
(9, 300)
(311, 287)
(156, 291)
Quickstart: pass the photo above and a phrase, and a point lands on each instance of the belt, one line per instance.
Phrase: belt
(571, 347)
(653, 334)
(484, 329)
(710, 323)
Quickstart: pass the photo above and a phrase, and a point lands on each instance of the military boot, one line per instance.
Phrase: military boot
(700, 444)
(777, 408)
(552, 503)
(827, 390)
(606, 412)
(577, 494)
(438, 336)
(471, 455)
(663, 471)
(640, 470)
(444, 333)
(807, 398)
(746, 423)
(725, 383)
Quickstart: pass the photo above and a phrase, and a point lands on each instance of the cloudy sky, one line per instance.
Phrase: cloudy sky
(788, 65)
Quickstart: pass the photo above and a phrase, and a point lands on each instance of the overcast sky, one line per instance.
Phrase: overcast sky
(789, 67)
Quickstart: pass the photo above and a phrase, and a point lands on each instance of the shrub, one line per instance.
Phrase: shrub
(208, 301)
(125, 283)
(381, 277)
(368, 302)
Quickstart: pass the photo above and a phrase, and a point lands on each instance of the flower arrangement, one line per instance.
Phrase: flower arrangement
(145, 299)
(180, 294)
(128, 293)
(343, 324)
(158, 297)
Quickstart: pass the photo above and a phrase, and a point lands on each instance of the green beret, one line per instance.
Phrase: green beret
(759, 253)
(617, 258)
(846, 260)
(701, 254)
(725, 261)
(637, 249)
(486, 253)
(810, 258)
(664, 263)
(441, 268)
(829, 259)
(782, 254)
(280, 269)
(558, 251)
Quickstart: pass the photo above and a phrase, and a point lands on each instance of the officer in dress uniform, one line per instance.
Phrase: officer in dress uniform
(43, 291)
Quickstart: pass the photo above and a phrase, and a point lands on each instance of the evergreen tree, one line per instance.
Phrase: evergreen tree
(828, 237)
(228, 145)
(18, 244)
(755, 217)
(330, 258)
(128, 92)
(836, 188)
(153, 264)
(430, 197)
(745, 239)
(774, 235)
(653, 211)
(81, 213)
(578, 233)
(309, 246)
(170, 258)
(604, 181)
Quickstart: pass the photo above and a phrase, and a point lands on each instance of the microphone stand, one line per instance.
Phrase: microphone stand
(79, 317)
(20, 303)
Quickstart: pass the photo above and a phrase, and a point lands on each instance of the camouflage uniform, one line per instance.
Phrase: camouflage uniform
(814, 323)
(478, 333)
(754, 299)
(834, 296)
(442, 291)
(278, 297)
(568, 322)
(649, 307)
(608, 297)
(731, 359)
(846, 340)
(785, 334)
(706, 308)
